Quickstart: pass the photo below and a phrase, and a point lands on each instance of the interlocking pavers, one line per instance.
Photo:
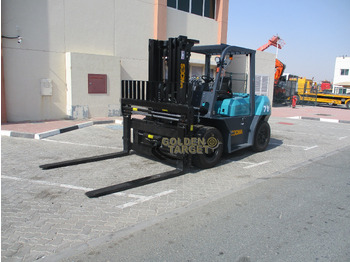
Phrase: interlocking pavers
(42, 217)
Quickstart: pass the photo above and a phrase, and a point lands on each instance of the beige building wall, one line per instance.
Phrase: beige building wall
(181, 23)
(63, 41)
(52, 29)
(79, 103)
(40, 55)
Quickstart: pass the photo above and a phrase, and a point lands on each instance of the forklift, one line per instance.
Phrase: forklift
(189, 120)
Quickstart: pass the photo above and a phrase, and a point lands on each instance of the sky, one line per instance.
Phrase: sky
(315, 32)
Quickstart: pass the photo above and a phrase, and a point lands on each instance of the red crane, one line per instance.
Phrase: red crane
(275, 41)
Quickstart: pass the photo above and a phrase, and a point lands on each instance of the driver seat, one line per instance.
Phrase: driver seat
(226, 89)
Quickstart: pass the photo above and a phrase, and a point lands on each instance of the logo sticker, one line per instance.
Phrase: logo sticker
(236, 132)
(182, 75)
(193, 145)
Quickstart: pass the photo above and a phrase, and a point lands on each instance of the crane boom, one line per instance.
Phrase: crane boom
(275, 41)
(272, 42)
(279, 69)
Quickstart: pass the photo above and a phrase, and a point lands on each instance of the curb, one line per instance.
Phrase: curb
(120, 122)
(58, 131)
(321, 119)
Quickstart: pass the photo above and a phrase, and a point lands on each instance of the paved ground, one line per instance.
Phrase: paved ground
(323, 113)
(301, 215)
(46, 216)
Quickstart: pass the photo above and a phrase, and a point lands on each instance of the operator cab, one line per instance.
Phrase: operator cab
(229, 82)
(228, 100)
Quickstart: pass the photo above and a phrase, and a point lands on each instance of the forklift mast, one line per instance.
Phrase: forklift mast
(165, 100)
(169, 63)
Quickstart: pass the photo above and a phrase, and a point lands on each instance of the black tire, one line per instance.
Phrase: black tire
(348, 104)
(210, 159)
(262, 136)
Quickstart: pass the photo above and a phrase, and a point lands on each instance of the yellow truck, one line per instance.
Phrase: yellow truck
(308, 91)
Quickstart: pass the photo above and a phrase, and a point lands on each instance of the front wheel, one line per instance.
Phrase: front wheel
(262, 137)
(215, 147)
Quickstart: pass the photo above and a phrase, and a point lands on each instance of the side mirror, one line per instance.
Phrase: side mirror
(227, 62)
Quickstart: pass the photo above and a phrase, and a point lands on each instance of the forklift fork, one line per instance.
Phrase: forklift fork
(84, 160)
(138, 182)
(122, 186)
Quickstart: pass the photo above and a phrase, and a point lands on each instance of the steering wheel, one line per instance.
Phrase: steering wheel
(207, 79)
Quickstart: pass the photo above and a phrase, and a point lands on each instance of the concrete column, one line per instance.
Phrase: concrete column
(160, 20)
(222, 18)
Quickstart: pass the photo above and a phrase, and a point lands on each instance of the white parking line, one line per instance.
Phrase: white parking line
(303, 147)
(298, 133)
(46, 183)
(144, 199)
(282, 144)
(140, 199)
(254, 164)
(311, 147)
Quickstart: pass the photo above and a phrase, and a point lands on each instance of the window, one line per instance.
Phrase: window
(344, 72)
(172, 3)
(199, 7)
(183, 5)
(209, 8)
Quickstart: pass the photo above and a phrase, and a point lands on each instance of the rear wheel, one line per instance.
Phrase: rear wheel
(213, 139)
(262, 136)
(348, 104)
